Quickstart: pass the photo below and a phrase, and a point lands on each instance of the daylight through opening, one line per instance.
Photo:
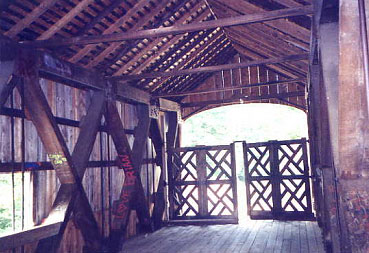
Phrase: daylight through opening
(250, 123)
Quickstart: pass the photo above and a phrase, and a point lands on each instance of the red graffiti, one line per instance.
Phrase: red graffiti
(121, 206)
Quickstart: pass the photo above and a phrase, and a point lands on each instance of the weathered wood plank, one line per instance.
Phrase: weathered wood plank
(252, 236)
(28, 236)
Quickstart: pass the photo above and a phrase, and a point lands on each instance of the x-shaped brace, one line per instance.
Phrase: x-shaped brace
(132, 194)
(69, 169)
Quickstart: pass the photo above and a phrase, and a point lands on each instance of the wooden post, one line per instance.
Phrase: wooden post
(159, 201)
(171, 140)
(323, 120)
(138, 149)
(353, 131)
(201, 176)
(274, 169)
(132, 194)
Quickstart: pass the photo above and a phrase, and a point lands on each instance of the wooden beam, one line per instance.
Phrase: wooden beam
(100, 16)
(172, 40)
(128, 93)
(168, 105)
(115, 27)
(68, 173)
(150, 33)
(134, 44)
(142, 22)
(58, 70)
(243, 98)
(159, 199)
(7, 88)
(171, 137)
(8, 242)
(8, 167)
(40, 114)
(71, 197)
(138, 150)
(78, 201)
(238, 87)
(65, 19)
(204, 53)
(210, 69)
(295, 32)
(278, 68)
(31, 17)
(193, 81)
(8, 52)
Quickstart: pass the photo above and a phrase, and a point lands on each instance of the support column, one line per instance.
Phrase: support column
(353, 129)
(325, 90)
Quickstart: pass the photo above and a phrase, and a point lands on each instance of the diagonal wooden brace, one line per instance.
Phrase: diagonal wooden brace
(8, 81)
(132, 194)
(83, 216)
(69, 174)
(159, 200)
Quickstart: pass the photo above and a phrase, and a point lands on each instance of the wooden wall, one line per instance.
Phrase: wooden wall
(245, 76)
(102, 185)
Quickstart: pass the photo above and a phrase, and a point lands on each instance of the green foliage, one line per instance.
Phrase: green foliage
(5, 219)
(6, 202)
(250, 122)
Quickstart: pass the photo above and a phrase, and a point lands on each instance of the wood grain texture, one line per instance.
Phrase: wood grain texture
(251, 236)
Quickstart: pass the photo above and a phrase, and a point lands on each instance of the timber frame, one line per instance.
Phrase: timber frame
(136, 68)
(71, 197)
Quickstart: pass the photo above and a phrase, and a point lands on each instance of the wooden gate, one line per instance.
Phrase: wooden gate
(277, 180)
(202, 184)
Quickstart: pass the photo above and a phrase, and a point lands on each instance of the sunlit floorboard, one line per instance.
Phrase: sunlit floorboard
(250, 236)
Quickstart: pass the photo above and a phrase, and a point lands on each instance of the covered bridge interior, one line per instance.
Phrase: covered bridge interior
(93, 93)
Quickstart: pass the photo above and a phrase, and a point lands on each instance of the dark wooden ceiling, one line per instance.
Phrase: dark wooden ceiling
(29, 20)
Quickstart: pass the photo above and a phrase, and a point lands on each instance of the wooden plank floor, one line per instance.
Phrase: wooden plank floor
(252, 236)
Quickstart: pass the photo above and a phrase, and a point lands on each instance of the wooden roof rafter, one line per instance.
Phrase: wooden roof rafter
(203, 14)
(275, 29)
(180, 54)
(31, 17)
(115, 27)
(106, 63)
(195, 80)
(110, 49)
(178, 50)
(196, 58)
(268, 39)
(215, 90)
(65, 20)
(277, 60)
(233, 21)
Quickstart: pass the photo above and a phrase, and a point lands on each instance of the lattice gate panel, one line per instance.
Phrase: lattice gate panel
(277, 180)
(203, 183)
(258, 176)
(185, 189)
(295, 183)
